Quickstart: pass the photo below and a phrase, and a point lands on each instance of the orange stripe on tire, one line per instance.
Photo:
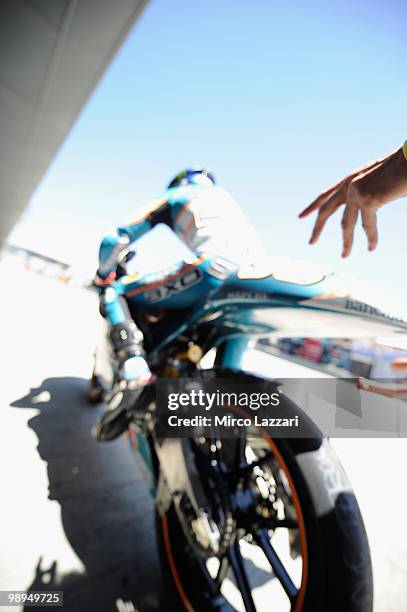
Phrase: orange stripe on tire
(303, 540)
(176, 578)
(301, 524)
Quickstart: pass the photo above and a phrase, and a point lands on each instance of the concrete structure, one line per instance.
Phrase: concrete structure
(52, 54)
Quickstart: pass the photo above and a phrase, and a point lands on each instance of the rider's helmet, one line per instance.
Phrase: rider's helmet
(193, 176)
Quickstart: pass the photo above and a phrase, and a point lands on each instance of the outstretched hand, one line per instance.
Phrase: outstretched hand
(363, 191)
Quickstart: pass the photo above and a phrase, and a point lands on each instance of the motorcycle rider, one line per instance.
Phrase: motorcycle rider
(208, 220)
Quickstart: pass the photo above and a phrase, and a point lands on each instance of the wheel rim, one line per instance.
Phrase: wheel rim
(295, 595)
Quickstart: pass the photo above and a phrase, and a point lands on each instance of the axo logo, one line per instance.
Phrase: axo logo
(192, 277)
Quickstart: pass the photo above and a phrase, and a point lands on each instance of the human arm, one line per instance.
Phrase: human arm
(363, 191)
(112, 246)
(396, 389)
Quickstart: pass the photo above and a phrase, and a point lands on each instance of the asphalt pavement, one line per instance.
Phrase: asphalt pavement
(75, 515)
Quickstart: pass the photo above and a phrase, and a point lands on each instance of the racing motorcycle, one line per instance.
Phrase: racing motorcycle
(250, 522)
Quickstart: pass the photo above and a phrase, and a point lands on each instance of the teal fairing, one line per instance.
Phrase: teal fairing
(268, 306)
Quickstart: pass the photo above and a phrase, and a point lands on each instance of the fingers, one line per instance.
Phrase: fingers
(349, 219)
(344, 183)
(322, 218)
(321, 199)
(369, 222)
(330, 206)
(315, 205)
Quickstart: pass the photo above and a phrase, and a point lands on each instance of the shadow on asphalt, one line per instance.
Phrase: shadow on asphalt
(106, 510)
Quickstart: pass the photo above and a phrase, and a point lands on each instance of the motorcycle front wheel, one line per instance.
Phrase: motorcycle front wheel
(298, 541)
